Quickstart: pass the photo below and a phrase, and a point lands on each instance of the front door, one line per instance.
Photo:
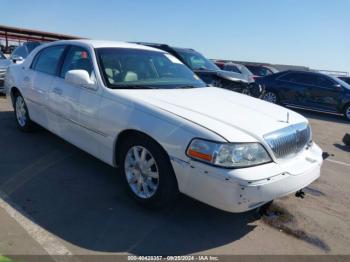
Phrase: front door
(77, 105)
(323, 94)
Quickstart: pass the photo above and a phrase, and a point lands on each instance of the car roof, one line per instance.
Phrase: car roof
(165, 46)
(105, 44)
(304, 72)
(234, 64)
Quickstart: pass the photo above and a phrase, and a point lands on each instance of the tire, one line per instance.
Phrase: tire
(347, 112)
(24, 123)
(246, 91)
(271, 97)
(152, 185)
(264, 209)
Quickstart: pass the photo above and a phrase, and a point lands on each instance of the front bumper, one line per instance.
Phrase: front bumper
(240, 190)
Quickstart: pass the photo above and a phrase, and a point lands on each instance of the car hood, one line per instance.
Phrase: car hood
(235, 117)
(5, 63)
(231, 76)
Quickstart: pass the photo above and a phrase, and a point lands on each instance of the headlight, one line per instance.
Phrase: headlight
(229, 155)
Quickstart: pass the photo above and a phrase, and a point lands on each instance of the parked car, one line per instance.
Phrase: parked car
(261, 70)
(237, 68)
(345, 79)
(308, 90)
(3, 67)
(209, 72)
(21, 52)
(9, 49)
(142, 110)
(2, 56)
(18, 56)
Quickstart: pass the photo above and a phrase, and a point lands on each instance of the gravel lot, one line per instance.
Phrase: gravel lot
(56, 199)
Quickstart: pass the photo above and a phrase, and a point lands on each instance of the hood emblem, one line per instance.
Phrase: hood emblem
(286, 121)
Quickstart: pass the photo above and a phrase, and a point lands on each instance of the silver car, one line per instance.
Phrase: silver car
(4, 63)
(18, 56)
(240, 69)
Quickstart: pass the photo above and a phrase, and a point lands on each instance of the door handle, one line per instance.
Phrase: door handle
(57, 91)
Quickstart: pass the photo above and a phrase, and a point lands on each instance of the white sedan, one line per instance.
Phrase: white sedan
(141, 110)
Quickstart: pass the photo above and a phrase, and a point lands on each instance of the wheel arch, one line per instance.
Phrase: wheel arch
(347, 104)
(128, 133)
(13, 91)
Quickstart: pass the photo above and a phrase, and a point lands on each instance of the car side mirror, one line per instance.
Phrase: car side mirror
(80, 78)
(17, 58)
(338, 86)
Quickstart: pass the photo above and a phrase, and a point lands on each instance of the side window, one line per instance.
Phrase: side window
(48, 59)
(20, 51)
(325, 83)
(302, 79)
(289, 77)
(77, 58)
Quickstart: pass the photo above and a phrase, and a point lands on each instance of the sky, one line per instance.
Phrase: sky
(312, 33)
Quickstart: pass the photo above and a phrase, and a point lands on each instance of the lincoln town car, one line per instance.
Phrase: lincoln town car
(142, 111)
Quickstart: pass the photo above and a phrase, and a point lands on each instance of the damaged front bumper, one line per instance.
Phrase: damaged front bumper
(240, 190)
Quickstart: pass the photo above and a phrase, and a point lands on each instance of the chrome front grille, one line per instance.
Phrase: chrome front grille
(290, 140)
(2, 74)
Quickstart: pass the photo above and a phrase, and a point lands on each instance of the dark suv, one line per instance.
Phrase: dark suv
(209, 72)
(308, 90)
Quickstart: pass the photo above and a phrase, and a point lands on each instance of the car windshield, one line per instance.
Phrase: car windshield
(2, 56)
(238, 69)
(196, 61)
(341, 82)
(260, 71)
(232, 68)
(137, 68)
(245, 71)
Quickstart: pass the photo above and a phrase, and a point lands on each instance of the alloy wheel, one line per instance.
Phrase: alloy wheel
(141, 172)
(270, 97)
(347, 112)
(21, 111)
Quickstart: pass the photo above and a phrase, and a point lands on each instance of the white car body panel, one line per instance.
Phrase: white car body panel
(93, 119)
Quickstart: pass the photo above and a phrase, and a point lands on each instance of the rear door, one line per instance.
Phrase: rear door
(291, 88)
(39, 78)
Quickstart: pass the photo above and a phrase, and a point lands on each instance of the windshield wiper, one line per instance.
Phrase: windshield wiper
(186, 87)
(132, 87)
